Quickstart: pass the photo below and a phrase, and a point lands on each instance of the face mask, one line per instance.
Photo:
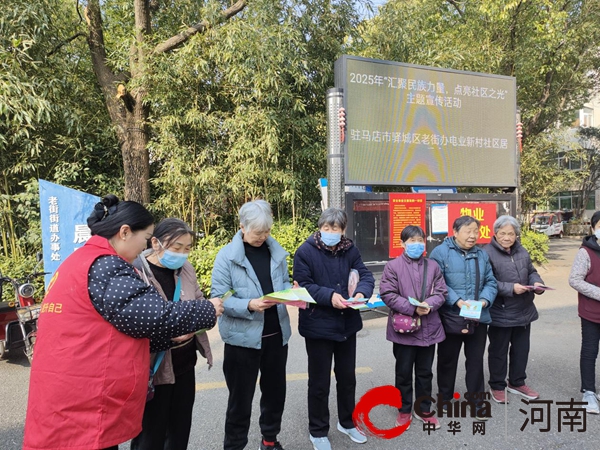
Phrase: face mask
(330, 239)
(415, 250)
(172, 260)
(597, 234)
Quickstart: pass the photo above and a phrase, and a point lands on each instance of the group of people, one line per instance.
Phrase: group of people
(500, 275)
(116, 347)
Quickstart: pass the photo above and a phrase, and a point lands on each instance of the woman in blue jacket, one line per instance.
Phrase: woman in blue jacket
(322, 265)
(469, 276)
(255, 332)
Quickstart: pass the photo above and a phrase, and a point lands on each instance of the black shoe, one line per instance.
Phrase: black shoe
(276, 446)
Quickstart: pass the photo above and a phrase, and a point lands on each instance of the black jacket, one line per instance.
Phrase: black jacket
(322, 273)
(510, 309)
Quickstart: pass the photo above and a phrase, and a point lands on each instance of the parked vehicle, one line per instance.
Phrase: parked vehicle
(18, 317)
(549, 223)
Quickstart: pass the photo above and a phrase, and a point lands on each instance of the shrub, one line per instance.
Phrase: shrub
(536, 244)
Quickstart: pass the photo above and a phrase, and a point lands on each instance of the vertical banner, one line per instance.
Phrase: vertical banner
(484, 212)
(64, 212)
(405, 209)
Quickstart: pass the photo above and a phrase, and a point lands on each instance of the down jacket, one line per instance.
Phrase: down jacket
(458, 267)
(324, 273)
(514, 266)
(402, 278)
(239, 326)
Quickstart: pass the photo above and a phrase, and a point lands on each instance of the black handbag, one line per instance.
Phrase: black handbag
(455, 324)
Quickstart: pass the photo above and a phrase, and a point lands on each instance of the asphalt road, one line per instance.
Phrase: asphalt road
(553, 370)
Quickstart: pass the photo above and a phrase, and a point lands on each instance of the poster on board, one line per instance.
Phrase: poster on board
(404, 209)
(484, 212)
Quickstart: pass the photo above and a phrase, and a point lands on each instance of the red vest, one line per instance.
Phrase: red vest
(589, 308)
(88, 381)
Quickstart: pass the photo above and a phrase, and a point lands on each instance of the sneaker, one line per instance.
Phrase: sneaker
(320, 443)
(524, 390)
(276, 446)
(403, 419)
(432, 420)
(592, 402)
(498, 396)
(355, 434)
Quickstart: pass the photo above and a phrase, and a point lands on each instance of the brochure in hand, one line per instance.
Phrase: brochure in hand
(224, 297)
(356, 303)
(471, 309)
(540, 287)
(415, 302)
(298, 297)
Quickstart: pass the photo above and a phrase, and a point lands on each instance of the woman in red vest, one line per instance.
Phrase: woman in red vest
(585, 279)
(98, 324)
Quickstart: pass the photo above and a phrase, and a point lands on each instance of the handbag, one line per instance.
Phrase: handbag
(160, 355)
(402, 323)
(456, 324)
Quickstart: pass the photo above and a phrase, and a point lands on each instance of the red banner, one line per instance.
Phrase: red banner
(405, 209)
(484, 212)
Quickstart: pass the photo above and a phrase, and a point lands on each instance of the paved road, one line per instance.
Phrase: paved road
(553, 370)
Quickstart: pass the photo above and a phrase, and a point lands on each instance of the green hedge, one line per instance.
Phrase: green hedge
(536, 244)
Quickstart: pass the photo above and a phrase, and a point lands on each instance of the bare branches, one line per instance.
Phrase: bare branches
(175, 41)
(66, 41)
(456, 6)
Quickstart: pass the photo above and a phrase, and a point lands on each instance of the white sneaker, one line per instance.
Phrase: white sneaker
(320, 443)
(355, 434)
(592, 402)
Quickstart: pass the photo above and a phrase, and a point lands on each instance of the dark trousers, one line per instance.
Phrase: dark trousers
(168, 416)
(590, 336)
(421, 359)
(501, 338)
(448, 354)
(320, 354)
(240, 367)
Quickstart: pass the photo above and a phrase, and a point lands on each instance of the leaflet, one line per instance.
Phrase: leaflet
(298, 297)
(415, 302)
(471, 309)
(540, 287)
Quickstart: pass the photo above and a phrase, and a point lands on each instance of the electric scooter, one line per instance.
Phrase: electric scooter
(18, 318)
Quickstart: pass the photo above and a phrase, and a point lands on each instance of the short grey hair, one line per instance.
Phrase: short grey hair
(502, 221)
(332, 217)
(256, 216)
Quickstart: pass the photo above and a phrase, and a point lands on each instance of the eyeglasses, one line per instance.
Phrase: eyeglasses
(506, 235)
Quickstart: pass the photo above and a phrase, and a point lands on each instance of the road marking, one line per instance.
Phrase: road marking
(288, 377)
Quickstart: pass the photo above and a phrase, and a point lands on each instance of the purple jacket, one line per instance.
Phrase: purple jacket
(402, 278)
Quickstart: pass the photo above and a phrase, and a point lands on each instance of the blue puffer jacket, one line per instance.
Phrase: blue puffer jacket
(232, 270)
(458, 267)
(322, 273)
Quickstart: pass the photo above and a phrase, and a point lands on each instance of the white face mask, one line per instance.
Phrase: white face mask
(597, 233)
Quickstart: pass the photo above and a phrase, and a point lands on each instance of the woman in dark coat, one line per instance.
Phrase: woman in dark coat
(512, 312)
(322, 265)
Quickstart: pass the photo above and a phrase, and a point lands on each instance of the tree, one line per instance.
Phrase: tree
(587, 177)
(124, 81)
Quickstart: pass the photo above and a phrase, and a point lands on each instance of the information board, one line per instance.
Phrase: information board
(405, 209)
(416, 125)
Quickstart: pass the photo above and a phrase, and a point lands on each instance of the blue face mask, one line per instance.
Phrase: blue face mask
(597, 233)
(173, 260)
(330, 239)
(415, 250)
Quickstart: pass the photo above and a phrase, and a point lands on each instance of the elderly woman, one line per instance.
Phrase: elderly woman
(469, 276)
(255, 332)
(585, 279)
(322, 265)
(512, 311)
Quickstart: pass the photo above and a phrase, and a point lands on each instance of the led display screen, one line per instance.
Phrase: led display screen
(423, 126)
